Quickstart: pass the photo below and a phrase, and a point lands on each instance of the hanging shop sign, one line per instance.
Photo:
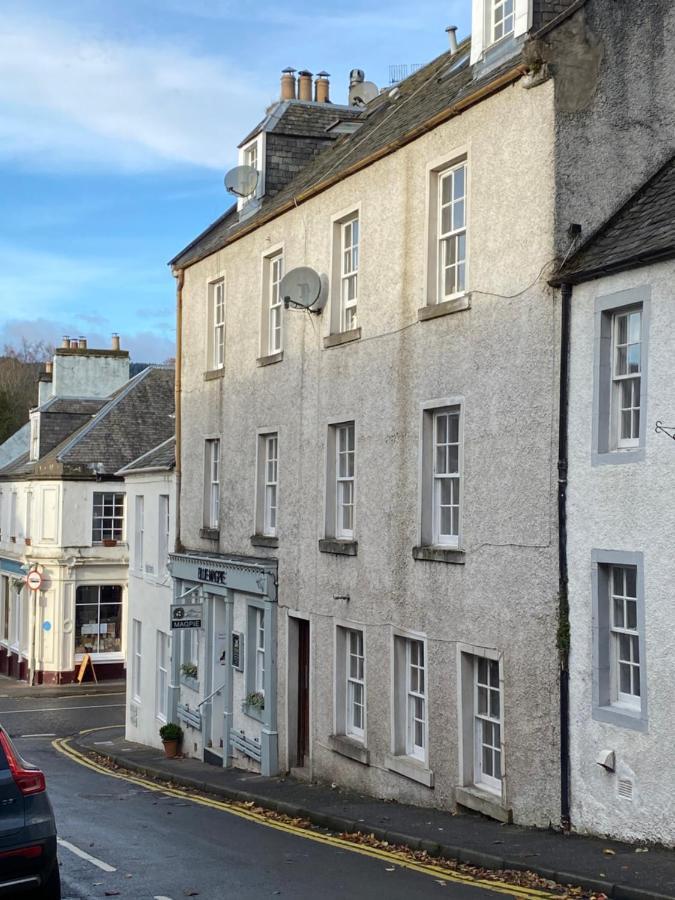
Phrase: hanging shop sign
(189, 616)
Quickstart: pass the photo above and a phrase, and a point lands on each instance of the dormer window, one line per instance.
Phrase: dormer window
(502, 19)
(253, 154)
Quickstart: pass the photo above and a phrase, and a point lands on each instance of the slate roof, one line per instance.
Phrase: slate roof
(161, 458)
(302, 118)
(440, 86)
(132, 421)
(15, 446)
(641, 231)
(60, 417)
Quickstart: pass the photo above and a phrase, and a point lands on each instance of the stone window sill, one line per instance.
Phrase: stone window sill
(410, 768)
(209, 534)
(271, 359)
(350, 748)
(339, 548)
(440, 554)
(342, 337)
(446, 308)
(264, 540)
(483, 802)
(212, 374)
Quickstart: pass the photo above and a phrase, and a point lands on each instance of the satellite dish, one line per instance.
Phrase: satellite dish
(242, 181)
(301, 288)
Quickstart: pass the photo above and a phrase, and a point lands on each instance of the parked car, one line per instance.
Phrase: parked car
(28, 864)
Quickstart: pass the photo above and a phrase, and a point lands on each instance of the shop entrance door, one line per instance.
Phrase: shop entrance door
(218, 669)
(303, 692)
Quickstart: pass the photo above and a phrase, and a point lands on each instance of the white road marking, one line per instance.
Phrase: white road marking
(84, 855)
(161, 898)
(36, 735)
(9, 712)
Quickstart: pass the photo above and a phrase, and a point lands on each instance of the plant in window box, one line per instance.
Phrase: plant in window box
(171, 735)
(189, 670)
(18, 583)
(256, 700)
(109, 542)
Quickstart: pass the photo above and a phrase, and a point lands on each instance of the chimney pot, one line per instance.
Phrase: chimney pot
(116, 342)
(452, 37)
(65, 342)
(288, 84)
(48, 368)
(305, 85)
(73, 344)
(82, 343)
(322, 88)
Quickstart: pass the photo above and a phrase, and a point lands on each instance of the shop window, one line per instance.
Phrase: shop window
(98, 619)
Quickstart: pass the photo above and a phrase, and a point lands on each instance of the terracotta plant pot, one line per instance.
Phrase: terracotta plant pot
(170, 749)
(28, 542)
(109, 543)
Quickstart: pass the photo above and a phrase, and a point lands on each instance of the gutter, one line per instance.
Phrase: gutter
(563, 637)
(504, 80)
(179, 275)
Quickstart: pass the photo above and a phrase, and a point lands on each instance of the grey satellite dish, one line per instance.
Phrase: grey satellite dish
(242, 181)
(301, 288)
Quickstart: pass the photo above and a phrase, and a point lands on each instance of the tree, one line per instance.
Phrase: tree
(19, 370)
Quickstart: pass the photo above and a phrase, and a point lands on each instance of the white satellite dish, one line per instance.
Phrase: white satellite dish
(242, 181)
(301, 288)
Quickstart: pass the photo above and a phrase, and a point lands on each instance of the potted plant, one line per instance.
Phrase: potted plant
(256, 700)
(171, 736)
(189, 670)
(109, 542)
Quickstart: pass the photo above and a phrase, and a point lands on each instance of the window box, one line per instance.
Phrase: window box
(253, 712)
(264, 540)
(343, 337)
(339, 548)
(483, 802)
(350, 748)
(440, 554)
(190, 682)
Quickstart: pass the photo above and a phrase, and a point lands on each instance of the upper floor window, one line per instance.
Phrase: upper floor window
(349, 274)
(216, 347)
(344, 480)
(441, 476)
(164, 532)
(626, 376)
(139, 529)
(272, 337)
(269, 483)
(620, 366)
(251, 155)
(625, 653)
(502, 19)
(451, 235)
(108, 518)
(212, 483)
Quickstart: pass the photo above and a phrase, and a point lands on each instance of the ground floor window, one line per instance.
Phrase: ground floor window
(136, 662)
(4, 606)
(162, 685)
(410, 698)
(488, 724)
(98, 619)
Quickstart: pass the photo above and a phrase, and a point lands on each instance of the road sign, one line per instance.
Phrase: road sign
(34, 580)
(189, 616)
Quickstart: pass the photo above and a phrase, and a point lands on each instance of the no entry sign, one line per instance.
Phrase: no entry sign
(34, 581)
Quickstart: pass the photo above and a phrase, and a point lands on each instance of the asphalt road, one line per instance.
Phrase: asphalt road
(122, 840)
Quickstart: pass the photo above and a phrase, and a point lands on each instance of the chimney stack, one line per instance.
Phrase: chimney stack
(65, 343)
(82, 343)
(452, 37)
(305, 85)
(288, 84)
(116, 342)
(322, 88)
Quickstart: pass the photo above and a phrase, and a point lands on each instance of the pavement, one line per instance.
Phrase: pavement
(10, 687)
(621, 871)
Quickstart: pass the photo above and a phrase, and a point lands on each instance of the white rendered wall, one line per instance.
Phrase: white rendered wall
(82, 373)
(150, 598)
(625, 507)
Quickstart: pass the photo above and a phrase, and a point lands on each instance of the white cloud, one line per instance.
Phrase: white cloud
(70, 99)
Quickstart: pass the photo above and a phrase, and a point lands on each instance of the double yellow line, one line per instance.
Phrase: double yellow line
(391, 857)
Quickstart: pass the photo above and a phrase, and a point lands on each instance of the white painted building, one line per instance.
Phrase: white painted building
(151, 497)
(621, 520)
(63, 513)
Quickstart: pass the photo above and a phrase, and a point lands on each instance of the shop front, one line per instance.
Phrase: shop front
(223, 687)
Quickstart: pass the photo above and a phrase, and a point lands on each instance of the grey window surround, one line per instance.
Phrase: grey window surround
(349, 747)
(439, 554)
(213, 374)
(445, 308)
(602, 453)
(339, 548)
(342, 337)
(270, 360)
(603, 708)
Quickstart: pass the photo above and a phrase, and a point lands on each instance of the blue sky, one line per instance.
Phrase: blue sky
(118, 120)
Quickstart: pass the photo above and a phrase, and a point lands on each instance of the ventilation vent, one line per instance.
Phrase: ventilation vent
(625, 789)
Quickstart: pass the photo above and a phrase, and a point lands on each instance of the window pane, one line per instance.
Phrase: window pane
(494, 673)
(618, 612)
(624, 678)
(636, 681)
(631, 582)
(459, 183)
(446, 189)
(487, 761)
(458, 215)
(482, 701)
(482, 670)
(631, 614)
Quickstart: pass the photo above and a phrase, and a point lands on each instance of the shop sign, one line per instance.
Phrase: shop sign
(212, 576)
(189, 616)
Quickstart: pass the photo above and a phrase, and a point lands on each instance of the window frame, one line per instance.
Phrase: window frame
(345, 484)
(212, 464)
(137, 656)
(339, 222)
(606, 448)
(404, 696)
(349, 272)
(333, 481)
(270, 484)
(260, 144)
(216, 352)
(482, 721)
(494, 38)
(102, 655)
(275, 304)
(430, 534)
(353, 683)
(164, 529)
(455, 234)
(436, 171)
(608, 704)
(620, 379)
(163, 659)
(258, 656)
(110, 532)
(139, 533)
